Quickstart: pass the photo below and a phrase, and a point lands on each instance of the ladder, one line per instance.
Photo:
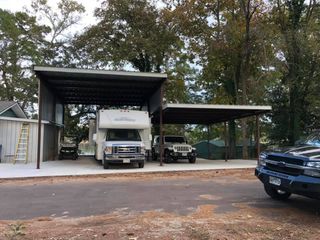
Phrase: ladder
(22, 146)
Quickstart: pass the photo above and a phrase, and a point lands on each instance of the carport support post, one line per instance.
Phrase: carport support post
(39, 124)
(161, 124)
(257, 135)
(208, 141)
(225, 142)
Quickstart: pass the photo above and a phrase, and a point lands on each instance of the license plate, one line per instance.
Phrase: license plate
(275, 181)
(184, 154)
(126, 160)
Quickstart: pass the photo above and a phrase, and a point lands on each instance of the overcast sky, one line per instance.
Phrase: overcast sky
(87, 19)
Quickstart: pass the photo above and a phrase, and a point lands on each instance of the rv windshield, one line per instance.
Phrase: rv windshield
(123, 135)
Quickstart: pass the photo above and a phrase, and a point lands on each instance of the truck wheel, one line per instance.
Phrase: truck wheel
(192, 160)
(105, 164)
(141, 164)
(276, 193)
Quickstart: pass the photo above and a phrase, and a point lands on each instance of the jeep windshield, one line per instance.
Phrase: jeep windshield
(174, 139)
(123, 135)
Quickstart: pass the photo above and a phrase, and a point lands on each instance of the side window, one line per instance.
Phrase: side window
(157, 139)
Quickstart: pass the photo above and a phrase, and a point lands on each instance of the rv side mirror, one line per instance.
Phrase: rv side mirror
(150, 137)
(94, 137)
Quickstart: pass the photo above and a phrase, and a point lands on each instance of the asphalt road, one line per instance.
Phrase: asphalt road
(182, 196)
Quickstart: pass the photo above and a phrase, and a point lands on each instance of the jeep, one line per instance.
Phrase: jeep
(174, 148)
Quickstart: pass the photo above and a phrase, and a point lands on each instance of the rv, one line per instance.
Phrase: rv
(122, 136)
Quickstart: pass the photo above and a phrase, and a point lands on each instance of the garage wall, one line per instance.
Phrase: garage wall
(50, 142)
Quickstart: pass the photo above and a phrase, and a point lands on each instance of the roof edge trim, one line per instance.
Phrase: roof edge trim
(217, 106)
(102, 72)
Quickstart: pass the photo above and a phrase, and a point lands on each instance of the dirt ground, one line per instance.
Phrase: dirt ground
(204, 223)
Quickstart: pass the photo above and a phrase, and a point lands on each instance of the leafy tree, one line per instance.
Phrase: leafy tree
(226, 39)
(25, 42)
(130, 32)
(298, 56)
(58, 49)
(21, 41)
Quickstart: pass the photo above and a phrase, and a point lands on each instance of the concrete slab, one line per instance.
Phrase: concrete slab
(88, 166)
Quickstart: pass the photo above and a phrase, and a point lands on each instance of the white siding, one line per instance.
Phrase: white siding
(9, 135)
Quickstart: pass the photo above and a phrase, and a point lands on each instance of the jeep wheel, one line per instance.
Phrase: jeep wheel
(154, 155)
(192, 160)
(167, 157)
(276, 193)
(105, 164)
(141, 164)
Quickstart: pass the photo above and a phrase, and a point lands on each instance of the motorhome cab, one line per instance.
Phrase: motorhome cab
(122, 136)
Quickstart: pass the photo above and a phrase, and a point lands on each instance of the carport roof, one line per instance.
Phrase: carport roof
(207, 113)
(85, 86)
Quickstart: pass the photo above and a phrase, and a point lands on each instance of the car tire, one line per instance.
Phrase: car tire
(192, 160)
(275, 193)
(105, 164)
(141, 164)
(60, 157)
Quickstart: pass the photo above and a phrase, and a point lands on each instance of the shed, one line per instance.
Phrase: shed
(9, 135)
(216, 149)
(11, 119)
(11, 109)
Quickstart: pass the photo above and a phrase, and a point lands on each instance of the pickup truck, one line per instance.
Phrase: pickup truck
(294, 170)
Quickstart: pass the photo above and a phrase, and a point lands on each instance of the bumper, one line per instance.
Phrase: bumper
(179, 155)
(302, 185)
(115, 159)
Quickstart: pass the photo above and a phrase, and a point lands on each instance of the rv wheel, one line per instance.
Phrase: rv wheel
(105, 164)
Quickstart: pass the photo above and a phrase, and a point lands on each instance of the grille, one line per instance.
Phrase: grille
(126, 149)
(290, 160)
(182, 148)
(286, 170)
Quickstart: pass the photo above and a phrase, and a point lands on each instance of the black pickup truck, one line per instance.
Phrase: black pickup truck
(293, 170)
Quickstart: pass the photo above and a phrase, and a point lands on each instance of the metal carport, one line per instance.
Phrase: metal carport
(207, 114)
(60, 86)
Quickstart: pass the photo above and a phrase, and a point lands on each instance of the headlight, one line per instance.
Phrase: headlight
(108, 150)
(262, 159)
(313, 172)
(143, 150)
(313, 165)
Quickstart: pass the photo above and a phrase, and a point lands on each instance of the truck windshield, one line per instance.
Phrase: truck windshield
(313, 139)
(174, 139)
(123, 135)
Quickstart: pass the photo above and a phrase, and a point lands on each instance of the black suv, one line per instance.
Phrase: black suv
(293, 170)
